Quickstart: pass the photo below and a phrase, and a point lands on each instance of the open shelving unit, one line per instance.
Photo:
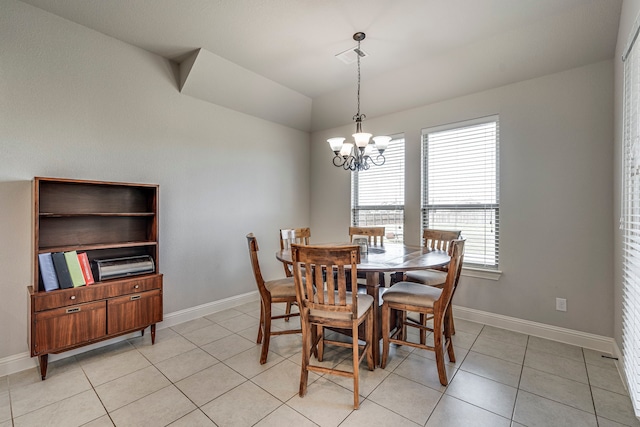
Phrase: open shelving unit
(105, 220)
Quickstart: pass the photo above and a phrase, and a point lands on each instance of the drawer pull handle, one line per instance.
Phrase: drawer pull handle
(73, 310)
(135, 297)
(73, 297)
(136, 287)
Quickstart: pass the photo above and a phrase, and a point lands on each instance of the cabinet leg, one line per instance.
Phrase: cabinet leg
(142, 332)
(44, 360)
(153, 333)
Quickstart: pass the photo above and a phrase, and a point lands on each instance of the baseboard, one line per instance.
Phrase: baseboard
(20, 362)
(555, 333)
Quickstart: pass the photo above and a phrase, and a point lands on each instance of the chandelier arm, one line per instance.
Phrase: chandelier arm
(379, 161)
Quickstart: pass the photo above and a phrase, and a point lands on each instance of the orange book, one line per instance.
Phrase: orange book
(86, 269)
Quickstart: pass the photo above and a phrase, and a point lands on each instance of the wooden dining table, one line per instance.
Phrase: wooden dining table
(390, 258)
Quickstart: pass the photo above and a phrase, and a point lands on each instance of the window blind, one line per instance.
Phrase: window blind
(460, 186)
(377, 194)
(631, 227)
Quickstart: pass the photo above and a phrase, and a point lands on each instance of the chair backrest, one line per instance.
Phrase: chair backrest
(253, 254)
(453, 274)
(288, 236)
(320, 278)
(439, 239)
(294, 235)
(374, 235)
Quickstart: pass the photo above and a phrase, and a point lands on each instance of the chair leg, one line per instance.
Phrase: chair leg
(356, 371)
(437, 344)
(287, 311)
(370, 341)
(450, 315)
(319, 331)
(267, 334)
(423, 332)
(306, 351)
(448, 325)
(261, 324)
(385, 335)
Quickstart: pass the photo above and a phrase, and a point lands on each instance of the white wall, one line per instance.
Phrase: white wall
(630, 11)
(556, 174)
(75, 103)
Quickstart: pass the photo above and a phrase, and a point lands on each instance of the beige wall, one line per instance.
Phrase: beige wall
(75, 103)
(556, 173)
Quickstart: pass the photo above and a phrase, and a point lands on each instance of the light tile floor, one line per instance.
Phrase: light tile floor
(206, 372)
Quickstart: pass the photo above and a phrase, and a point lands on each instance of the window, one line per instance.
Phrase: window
(377, 194)
(630, 223)
(460, 186)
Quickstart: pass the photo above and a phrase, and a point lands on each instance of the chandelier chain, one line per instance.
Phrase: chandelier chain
(358, 53)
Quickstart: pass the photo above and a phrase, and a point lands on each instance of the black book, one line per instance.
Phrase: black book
(62, 271)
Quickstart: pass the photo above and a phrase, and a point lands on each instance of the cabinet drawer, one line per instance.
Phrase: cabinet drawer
(132, 312)
(128, 286)
(69, 326)
(66, 297)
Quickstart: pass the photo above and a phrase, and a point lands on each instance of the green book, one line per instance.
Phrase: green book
(74, 268)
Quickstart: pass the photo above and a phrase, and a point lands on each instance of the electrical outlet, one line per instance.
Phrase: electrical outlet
(561, 304)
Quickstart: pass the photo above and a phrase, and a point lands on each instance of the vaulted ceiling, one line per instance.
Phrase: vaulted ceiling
(252, 55)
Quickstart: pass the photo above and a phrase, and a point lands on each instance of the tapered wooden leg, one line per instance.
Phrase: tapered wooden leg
(437, 344)
(306, 351)
(44, 361)
(267, 334)
(369, 340)
(385, 335)
(356, 367)
(448, 324)
(153, 333)
(287, 311)
(423, 332)
(261, 324)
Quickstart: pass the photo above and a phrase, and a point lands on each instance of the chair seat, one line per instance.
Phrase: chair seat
(427, 277)
(365, 302)
(412, 294)
(281, 288)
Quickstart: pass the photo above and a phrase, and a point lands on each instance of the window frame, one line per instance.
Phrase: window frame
(482, 270)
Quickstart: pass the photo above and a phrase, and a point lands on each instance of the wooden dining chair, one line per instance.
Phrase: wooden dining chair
(320, 278)
(434, 240)
(426, 300)
(271, 292)
(375, 237)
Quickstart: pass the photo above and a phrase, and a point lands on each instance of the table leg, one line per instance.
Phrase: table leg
(373, 289)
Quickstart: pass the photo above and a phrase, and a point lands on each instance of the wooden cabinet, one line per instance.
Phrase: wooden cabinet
(106, 220)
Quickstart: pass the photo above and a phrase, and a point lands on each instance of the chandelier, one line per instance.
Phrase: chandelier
(366, 151)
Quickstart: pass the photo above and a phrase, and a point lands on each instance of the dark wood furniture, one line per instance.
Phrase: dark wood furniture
(427, 300)
(271, 292)
(390, 258)
(332, 307)
(106, 220)
(287, 237)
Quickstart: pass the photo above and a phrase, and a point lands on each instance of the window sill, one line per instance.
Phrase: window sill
(481, 273)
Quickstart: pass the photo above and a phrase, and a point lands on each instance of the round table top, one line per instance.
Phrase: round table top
(392, 257)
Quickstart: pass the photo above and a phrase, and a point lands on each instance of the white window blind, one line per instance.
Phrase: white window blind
(377, 194)
(630, 223)
(460, 186)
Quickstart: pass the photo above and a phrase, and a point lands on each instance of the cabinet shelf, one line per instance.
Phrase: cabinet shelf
(90, 214)
(97, 246)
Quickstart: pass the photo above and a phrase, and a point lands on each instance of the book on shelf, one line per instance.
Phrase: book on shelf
(86, 268)
(74, 268)
(62, 271)
(48, 272)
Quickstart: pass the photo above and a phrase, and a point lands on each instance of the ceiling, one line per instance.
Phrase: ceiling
(420, 51)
